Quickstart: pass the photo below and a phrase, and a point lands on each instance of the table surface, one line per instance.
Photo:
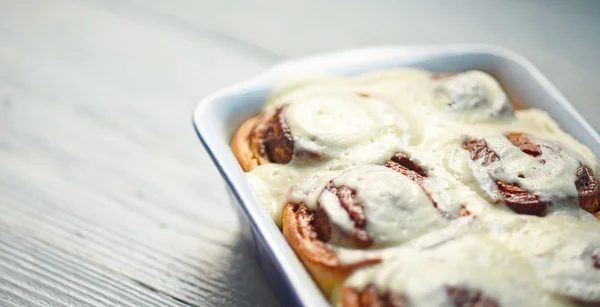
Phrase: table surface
(106, 196)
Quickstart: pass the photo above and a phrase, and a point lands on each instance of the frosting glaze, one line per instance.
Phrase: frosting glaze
(549, 175)
(560, 248)
(366, 119)
(344, 126)
(472, 96)
(423, 276)
(396, 208)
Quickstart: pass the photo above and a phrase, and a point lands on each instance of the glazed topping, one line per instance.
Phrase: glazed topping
(341, 133)
(572, 270)
(351, 126)
(540, 168)
(271, 183)
(309, 189)
(441, 191)
(561, 248)
(378, 204)
(441, 276)
(396, 208)
(472, 96)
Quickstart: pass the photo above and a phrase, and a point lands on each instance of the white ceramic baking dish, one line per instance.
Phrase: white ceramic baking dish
(218, 116)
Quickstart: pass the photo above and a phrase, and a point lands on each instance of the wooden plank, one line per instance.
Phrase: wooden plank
(36, 274)
(560, 37)
(98, 157)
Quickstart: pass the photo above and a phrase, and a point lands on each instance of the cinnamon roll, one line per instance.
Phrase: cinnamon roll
(530, 174)
(440, 276)
(366, 207)
(352, 127)
(263, 139)
(472, 96)
(562, 249)
(407, 188)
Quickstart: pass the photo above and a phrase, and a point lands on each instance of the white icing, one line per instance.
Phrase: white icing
(472, 96)
(569, 270)
(271, 183)
(273, 196)
(434, 237)
(552, 180)
(308, 189)
(559, 247)
(422, 276)
(344, 126)
(396, 208)
(367, 119)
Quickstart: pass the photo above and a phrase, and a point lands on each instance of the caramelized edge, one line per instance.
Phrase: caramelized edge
(322, 263)
(241, 146)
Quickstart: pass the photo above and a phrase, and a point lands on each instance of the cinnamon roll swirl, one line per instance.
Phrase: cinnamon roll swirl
(366, 207)
(530, 174)
(353, 127)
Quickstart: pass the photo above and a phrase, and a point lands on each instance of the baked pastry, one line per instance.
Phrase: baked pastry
(332, 212)
(529, 174)
(440, 276)
(471, 96)
(351, 126)
(407, 188)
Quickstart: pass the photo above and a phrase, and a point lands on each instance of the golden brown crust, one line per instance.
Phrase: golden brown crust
(241, 147)
(263, 139)
(349, 297)
(320, 261)
(271, 139)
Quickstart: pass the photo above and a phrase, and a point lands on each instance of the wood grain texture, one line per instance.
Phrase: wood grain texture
(35, 274)
(106, 196)
(98, 155)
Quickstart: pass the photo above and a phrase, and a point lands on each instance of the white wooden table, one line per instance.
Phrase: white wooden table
(106, 196)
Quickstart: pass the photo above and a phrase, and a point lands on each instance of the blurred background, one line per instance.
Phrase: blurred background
(106, 196)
